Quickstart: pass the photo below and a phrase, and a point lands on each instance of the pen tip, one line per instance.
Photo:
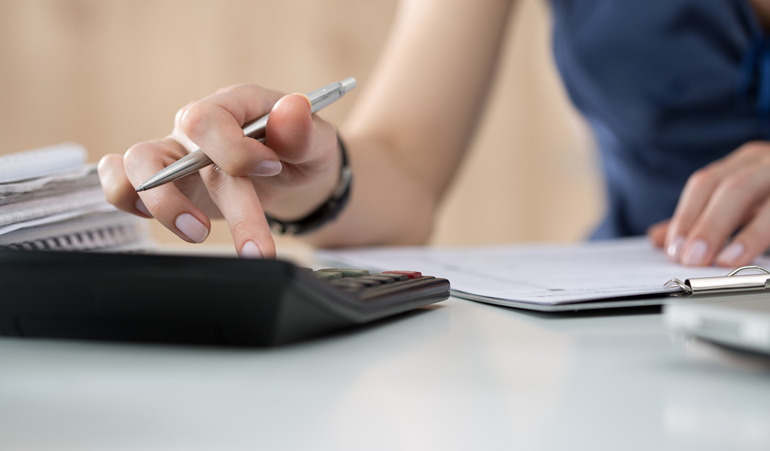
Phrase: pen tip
(348, 84)
(140, 188)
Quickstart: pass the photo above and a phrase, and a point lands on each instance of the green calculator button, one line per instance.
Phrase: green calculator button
(328, 275)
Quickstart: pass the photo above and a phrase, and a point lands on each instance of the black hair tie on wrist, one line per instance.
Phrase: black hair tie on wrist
(328, 211)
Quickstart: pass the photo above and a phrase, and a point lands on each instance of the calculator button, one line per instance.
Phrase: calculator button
(348, 284)
(351, 289)
(368, 281)
(347, 272)
(410, 274)
(395, 277)
(345, 281)
(382, 279)
(327, 275)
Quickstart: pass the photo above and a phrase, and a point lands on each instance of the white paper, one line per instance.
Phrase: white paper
(49, 206)
(41, 162)
(37, 184)
(548, 274)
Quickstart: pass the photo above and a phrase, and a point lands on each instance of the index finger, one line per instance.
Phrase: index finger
(236, 199)
(214, 124)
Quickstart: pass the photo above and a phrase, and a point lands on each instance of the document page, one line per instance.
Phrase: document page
(547, 274)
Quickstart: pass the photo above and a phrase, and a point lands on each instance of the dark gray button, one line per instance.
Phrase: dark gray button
(382, 279)
(346, 272)
(372, 281)
(367, 281)
(348, 283)
(395, 277)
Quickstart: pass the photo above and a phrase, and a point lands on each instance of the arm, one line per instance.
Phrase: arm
(408, 132)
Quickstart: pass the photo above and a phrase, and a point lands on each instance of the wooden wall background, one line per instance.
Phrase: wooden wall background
(109, 73)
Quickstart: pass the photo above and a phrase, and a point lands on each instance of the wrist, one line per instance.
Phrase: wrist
(290, 202)
(336, 189)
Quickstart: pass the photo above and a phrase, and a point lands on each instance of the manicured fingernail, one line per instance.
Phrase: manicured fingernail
(674, 249)
(250, 250)
(268, 168)
(142, 207)
(695, 253)
(309, 104)
(731, 253)
(191, 227)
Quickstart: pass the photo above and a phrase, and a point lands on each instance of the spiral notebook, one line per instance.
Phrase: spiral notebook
(114, 231)
(51, 200)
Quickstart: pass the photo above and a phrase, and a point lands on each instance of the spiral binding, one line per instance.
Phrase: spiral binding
(101, 238)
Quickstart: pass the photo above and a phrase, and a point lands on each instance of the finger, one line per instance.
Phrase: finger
(695, 196)
(178, 135)
(657, 232)
(725, 212)
(290, 128)
(166, 203)
(238, 202)
(117, 189)
(697, 192)
(751, 242)
(307, 142)
(214, 124)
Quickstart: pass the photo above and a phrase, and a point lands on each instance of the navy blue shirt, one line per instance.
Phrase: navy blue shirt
(667, 86)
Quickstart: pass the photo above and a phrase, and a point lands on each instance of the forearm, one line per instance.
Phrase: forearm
(415, 118)
(387, 205)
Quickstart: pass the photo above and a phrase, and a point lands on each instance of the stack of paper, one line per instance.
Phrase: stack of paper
(50, 199)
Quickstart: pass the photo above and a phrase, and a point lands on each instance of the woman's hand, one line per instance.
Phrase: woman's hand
(729, 195)
(295, 170)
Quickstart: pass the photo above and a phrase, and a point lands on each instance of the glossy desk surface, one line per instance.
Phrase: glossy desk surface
(456, 376)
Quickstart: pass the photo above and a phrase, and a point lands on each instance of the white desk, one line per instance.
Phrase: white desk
(456, 376)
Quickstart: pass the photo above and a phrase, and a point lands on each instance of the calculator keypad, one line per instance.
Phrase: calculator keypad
(356, 280)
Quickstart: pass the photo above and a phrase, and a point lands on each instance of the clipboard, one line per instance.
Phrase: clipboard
(732, 286)
(732, 283)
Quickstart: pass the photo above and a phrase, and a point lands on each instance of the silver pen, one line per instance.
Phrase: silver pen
(197, 160)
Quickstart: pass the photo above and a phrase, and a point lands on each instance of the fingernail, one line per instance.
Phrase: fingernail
(731, 253)
(268, 168)
(191, 227)
(309, 104)
(695, 253)
(674, 249)
(142, 207)
(250, 250)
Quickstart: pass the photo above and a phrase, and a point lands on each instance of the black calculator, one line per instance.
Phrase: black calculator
(196, 300)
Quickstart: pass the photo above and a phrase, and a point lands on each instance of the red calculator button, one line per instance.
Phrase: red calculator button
(410, 274)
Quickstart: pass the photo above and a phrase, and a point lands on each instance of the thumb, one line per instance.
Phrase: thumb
(290, 128)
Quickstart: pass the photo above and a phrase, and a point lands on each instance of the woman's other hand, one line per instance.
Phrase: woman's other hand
(728, 196)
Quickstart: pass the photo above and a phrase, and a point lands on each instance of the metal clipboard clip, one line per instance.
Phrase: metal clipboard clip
(731, 283)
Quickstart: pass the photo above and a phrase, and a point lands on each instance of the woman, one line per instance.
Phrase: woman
(676, 91)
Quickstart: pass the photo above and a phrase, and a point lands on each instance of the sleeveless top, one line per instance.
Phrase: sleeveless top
(667, 86)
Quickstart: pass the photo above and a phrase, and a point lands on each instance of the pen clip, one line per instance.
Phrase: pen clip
(731, 283)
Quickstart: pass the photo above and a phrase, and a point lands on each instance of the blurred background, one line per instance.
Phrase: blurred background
(110, 73)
